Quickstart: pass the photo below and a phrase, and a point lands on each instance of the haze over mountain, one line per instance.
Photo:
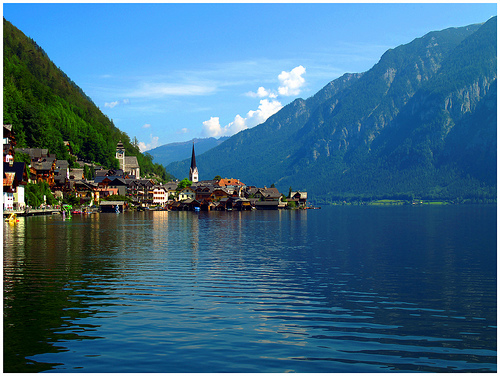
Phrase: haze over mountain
(421, 122)
(177, 151)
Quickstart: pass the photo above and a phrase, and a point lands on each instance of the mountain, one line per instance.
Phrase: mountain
(421, 122)
(176, 151)
(46, 108)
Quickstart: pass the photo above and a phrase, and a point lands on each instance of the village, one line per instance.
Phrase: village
(123, 189)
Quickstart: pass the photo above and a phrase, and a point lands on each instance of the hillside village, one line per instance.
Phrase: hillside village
(95, 186)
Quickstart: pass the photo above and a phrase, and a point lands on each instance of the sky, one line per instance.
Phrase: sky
(166, 72)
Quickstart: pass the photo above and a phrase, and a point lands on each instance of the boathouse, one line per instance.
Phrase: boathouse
(110, 206)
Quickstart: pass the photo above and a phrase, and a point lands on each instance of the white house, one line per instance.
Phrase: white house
(187, 193)
(160, 195)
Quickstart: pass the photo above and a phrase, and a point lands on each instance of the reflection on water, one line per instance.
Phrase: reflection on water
(342, 289)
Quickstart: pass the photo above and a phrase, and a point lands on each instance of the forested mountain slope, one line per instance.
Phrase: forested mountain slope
(421, 122)
(46, 108)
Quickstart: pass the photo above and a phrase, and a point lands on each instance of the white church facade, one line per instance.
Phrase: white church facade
(128, 164)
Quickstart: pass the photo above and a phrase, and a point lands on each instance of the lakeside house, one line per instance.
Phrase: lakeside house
(63, 181)
(15, 178)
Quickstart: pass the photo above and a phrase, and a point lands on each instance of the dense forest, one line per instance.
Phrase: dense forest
(46, 108)
(422, 123)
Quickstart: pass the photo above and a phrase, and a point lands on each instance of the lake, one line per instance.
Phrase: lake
(341, 289)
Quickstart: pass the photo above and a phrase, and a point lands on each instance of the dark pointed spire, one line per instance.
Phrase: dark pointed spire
(193, 171)
(193, 160)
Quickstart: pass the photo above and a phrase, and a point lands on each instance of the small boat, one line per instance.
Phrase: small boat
(12, 218)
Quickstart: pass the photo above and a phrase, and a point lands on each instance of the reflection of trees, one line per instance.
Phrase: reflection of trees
(45, 270)
(366, 276)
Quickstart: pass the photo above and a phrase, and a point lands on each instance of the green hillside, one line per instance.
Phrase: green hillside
(46, 108)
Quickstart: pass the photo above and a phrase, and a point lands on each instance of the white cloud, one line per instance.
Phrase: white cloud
(292, 81)
(116, 103)
(290, 84)
(111, 104)
(265, 110)
(213, 128)
(261, 93)
(151, 145)
(183, 131)
(146, 126)
(166, 89)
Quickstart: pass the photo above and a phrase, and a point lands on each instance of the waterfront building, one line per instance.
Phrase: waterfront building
(15, 179)
(160, 195)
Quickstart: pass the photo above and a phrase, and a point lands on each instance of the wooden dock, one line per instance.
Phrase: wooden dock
(31, 212)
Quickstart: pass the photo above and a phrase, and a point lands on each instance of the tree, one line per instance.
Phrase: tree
(36, 192)
(217, 177)
(183, 184)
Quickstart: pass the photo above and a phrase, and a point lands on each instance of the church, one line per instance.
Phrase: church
(129, 165)
(193, 170)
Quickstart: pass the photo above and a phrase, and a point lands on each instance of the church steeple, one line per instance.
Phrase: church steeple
(193, 171)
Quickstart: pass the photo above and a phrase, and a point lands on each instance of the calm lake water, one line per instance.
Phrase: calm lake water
(341, 289)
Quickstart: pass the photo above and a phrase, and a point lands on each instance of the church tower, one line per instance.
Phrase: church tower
(193, 171)
(120, 154)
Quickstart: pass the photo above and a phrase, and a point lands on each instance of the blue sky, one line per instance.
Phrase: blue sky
(172, 72)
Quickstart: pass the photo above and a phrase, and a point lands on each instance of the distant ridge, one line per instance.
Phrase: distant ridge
(421, 123)
(177, 151)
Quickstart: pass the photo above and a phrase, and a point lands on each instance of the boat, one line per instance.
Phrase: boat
(12, 218)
